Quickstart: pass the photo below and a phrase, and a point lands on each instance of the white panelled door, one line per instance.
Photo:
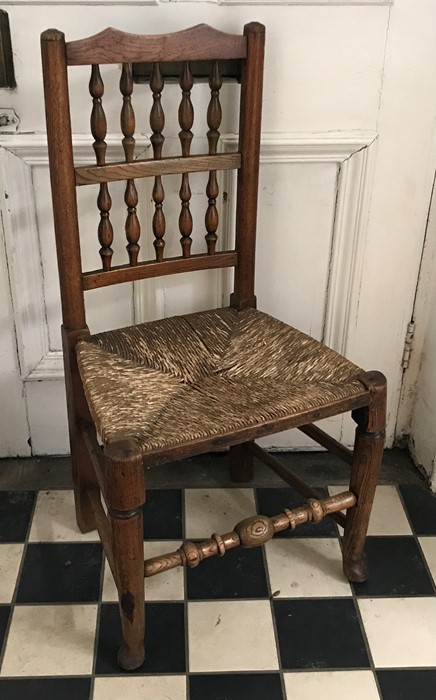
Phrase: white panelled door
(347, 156)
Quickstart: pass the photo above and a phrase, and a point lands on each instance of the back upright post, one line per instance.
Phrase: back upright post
(63, 187)
(248, 175)
(240, 458)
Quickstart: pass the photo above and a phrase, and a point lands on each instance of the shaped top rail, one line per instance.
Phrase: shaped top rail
(201, 42)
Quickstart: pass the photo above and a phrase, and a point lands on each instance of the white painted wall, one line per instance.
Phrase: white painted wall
(347, 162)
(423, 424)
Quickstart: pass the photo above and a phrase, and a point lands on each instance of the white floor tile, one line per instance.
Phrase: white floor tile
(231, 636)
(216, 510)
(400, 631)
(387, 516)
(55, 519)
(331, 685)
(168, 585)
(50, 640)
(428, 545)
(10, 559)
(301, 567)
(140, 688)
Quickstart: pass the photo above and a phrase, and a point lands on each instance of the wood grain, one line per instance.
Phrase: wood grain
(127, 122)
(103, 528)
(248, 175)
(119, 474)
(128, 547)
(368, 451)
(125, 496)
(325, 440)
(287, 475)
(241, 463)
(157, 123)
(197, 43)
(186, 120)
(254, 531)
(151, 268)
(60, 154)
(84, 476)
(214, 116)
(104, 201)
(92, 174)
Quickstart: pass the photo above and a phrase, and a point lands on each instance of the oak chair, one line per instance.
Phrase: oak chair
(168, 389)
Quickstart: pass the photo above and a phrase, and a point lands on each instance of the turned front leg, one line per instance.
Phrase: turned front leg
(125, 496)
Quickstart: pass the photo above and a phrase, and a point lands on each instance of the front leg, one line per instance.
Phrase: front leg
(125, 496)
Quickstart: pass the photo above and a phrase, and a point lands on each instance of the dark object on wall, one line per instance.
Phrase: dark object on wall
(7, 75)
(182, 386)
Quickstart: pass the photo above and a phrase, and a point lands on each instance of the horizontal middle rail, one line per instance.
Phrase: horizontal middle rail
(92, 174)
(144, 270)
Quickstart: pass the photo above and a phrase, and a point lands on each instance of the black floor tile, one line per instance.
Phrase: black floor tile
(61, 573)
(4, 617)
(239, 574)
(273, 501)
(236, 686)
(163, 514)
(319, 634)
(395, 568)
(15, 512)
(421, 507)
(407, 685)
(45, 688)
(164, 639)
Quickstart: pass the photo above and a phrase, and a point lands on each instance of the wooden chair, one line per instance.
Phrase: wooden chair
(182, 386)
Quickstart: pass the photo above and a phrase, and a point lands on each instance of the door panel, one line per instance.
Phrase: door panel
(346, 106)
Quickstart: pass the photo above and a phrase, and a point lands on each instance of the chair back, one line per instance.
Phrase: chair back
(198, 44)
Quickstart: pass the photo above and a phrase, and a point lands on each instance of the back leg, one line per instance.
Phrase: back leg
(84, 476)
(368, 452)
(241, 463)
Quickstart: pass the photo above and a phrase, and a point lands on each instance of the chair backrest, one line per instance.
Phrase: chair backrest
(200, 43)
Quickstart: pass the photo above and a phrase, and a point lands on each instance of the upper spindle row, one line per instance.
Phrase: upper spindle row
(157, 116)
(157, 124)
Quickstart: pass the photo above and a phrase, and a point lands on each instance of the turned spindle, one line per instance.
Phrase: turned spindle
(186, 119)
(98, 130)
(212, 190)
(157, 123)
(132, 227)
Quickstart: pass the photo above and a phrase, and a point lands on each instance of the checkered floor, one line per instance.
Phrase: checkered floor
(279, 624)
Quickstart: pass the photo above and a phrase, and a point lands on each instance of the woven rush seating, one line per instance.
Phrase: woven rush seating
(206, 374)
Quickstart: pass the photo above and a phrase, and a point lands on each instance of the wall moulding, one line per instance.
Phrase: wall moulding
(354, 153)
(18, 155)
